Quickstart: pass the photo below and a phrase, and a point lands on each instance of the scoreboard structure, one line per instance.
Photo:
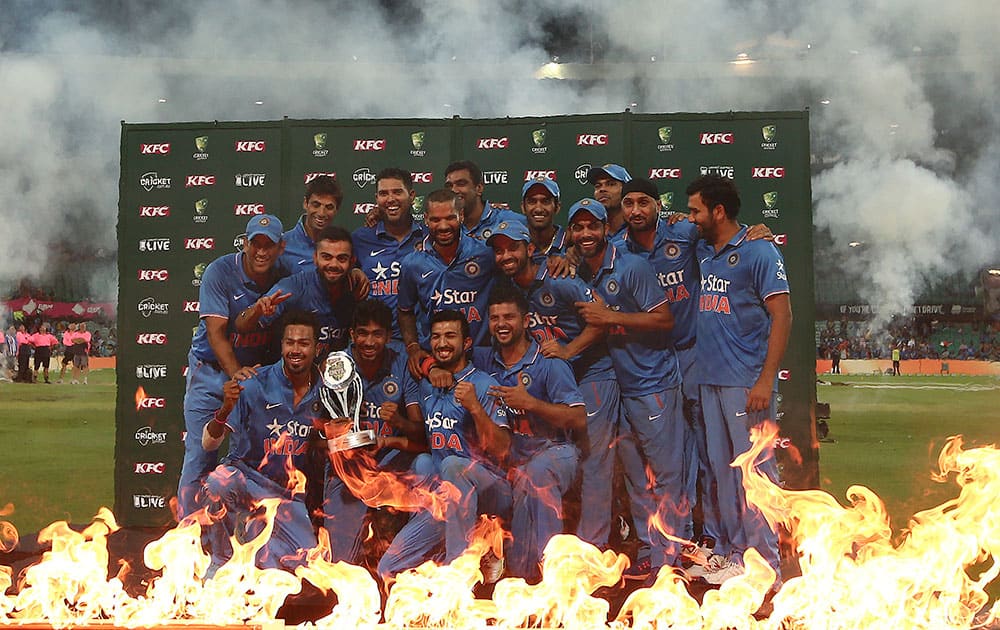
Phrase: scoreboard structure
(187, 191)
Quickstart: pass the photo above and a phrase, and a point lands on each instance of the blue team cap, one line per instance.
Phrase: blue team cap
(613, 171)
(514, 230)
(592, 206)
(266, 224)
(550, 185)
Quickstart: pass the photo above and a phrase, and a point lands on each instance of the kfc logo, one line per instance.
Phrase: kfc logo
(768, 172)
(369, 145)
(154, 149)
(530, 175)
(664, 173)
(492, 143)
(199, 243)
(308, 177)
(592, 140)
(153, 275)
(363, 208)
(149, 468)
(247, 209)
(192, 306)
(150, 402)
(151, 339)
(725, 137)
(251, 146)
(199, 180)
(154, 211)
(423, 178)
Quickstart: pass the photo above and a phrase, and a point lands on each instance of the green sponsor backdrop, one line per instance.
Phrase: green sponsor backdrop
(188, 189)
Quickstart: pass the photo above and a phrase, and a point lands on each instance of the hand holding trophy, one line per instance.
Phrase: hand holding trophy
(341, 393)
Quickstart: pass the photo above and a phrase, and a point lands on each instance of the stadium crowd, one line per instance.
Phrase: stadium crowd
(915, 339)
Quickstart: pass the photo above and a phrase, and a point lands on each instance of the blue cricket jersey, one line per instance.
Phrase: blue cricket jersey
(552, 315)
(391, 383)
(733, 323)
(380, 256)
(644, 361)
(427, 285)
(299, 248)
(676, 266)
(309, 293)
(225, 291)
(268, 427)
(492, 217)
(545, 378)
(449, 428)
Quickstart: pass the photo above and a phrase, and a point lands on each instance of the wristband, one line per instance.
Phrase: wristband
(426, 365)
(221, 421)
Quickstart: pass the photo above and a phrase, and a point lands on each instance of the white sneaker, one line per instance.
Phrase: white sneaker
(718, 569)
(74, 382)
(697, 555)
(84, 381)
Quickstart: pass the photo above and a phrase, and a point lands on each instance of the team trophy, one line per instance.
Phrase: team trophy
(341, 393)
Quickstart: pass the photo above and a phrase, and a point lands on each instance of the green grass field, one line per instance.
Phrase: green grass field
(887, 433)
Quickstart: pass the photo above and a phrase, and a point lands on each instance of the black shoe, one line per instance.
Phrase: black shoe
(639, 570)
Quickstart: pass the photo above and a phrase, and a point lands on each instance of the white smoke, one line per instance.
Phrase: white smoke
(902, 95)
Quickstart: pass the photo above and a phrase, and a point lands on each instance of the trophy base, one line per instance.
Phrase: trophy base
(352, 440)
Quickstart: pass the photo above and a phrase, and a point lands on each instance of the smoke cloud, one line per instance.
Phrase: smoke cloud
(902, 93)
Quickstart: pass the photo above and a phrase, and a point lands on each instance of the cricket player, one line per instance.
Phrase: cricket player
(271, 416)
(380, 249)
(636, 314)
(324, 290)
(744, 320)
(607, 181)
(219, 352)
(540, 205)
(453, 271)
(390, 407)
(543, 406)
(322, 199)
(467, 433)
(479, 217)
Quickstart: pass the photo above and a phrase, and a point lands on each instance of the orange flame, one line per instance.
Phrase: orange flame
(140, 395)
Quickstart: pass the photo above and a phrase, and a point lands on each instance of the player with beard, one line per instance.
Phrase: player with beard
(480, 217)
(271, 416)
(744, 321)
(544, 405)
(324, 291)
(219, 350)
(638, 321)
(380, 249)
(540, 205)
(320, 204)
(467, 433)
(390, 407)
(453, 271)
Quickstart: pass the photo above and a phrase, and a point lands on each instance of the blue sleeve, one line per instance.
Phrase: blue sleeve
(642, 284)
(481, 358)
(560, 384)
(213, 296)
(769, 271)
(409, 385)
(406, 297)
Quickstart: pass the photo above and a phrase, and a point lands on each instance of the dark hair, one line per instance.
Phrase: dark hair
(325, 185)
(508, 294)
(450, 315)
(475, 173)
(442, 195)
(372, 311)
(715, 191)
(335, 234)
(298, 317)
(395, 173)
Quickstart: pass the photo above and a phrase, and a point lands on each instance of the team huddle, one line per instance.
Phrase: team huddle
(507, 363)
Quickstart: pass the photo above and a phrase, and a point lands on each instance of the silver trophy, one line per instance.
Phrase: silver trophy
(341, 394)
